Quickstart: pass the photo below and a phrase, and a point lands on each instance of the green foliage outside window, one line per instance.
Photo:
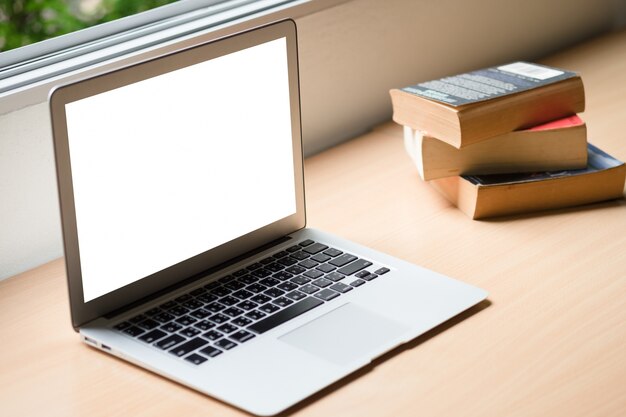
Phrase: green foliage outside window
(23, 22)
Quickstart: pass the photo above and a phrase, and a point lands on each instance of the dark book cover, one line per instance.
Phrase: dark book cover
(488, 83)
(597, 160)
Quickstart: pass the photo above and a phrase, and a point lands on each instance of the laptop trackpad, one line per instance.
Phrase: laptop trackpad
(345, 334)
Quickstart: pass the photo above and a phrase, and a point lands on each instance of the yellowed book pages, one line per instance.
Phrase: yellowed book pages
(555, 146)
(498, 195)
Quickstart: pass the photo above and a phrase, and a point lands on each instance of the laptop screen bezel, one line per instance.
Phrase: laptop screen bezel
(83, 312)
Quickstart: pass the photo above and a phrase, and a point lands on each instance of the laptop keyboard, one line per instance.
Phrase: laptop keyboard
(209, 320)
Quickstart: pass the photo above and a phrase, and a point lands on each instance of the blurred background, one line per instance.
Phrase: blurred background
(23, 22)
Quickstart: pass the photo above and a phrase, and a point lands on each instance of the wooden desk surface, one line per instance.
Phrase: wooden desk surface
(552, 342)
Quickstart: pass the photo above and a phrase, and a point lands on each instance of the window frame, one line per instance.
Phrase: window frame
(28, 73)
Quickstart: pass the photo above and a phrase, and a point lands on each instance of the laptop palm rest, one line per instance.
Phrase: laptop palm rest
(346, 334)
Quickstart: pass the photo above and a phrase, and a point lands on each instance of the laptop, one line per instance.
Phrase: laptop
(187, 253)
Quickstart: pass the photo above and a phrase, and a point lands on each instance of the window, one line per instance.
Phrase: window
(24, 22)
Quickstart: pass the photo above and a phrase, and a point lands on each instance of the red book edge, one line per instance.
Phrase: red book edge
(559, 124)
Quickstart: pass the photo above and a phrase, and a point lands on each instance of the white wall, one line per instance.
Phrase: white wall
(350, 55)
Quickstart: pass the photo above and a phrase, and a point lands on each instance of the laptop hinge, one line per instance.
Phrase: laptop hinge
(191, 279)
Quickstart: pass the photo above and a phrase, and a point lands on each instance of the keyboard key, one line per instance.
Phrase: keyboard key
(288, 261)
(243, 294)
(269, 308)
(178, 311)
(229, 300)
(248, 279)
(382, 271)
(171, 327)
(153, 311)
(212, 285)
(241, 321)
(341, 287)
(186, 320)
(240, 273)
(183, 298)
(296, 295)
(306, 242)
(220, 291)
(362, 274)
(233, 311)
(153, 336)
(247, 305)
(219, 318)
(269, 282)
(204, 325)
(254, 266)
(266, 261)
(370, 277)
(320, 257)
(308, 289)
(256, 288)
(164, 317)
(274, 292)
(168, 305)
(200, 313)
(314, 273)
(293, 248)
(188, 347)
(262, 273)
(300, 280)
(225, 344)
(315, 248)
(215, 307)
(212, 335)
(282, 301)
(190, 332)
(300, 255)
(342, 260)
(138, 318)
(255, 315)
(241, 336)
(210, 351)
(334, 276)
(135, 331)
(333, 252)
(121, 326)
(227, 328)
(327, 294)
(357, 282)
(308, 264)
(149, 324)
(354, 267)
(235, 285)
(207, 298)
(275, 267)
(260, 299)
(170, 341)
(197, 292)
(195, 359)
(227, 279)
(287, 286)
(280, 254)
(326, 268)
(322, 282)
(283, 275)
(288, 313)
(295, 270)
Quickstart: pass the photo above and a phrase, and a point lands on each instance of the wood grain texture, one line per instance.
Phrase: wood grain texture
(550, 342)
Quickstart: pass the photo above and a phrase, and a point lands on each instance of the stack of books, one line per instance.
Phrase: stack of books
(506, 140)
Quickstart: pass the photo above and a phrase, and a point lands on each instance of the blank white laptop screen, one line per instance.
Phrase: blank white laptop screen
(172, 166)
